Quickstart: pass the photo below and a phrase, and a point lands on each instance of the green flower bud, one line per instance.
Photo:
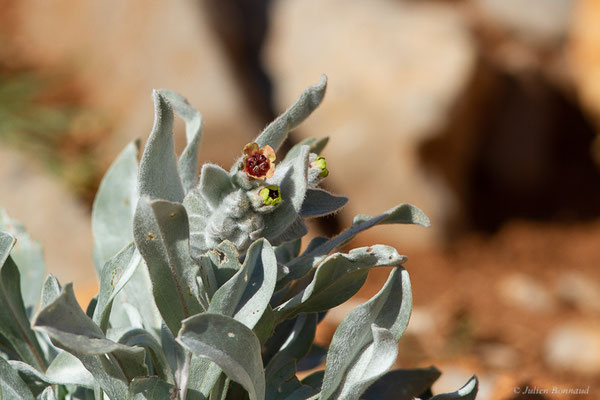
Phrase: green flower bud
(321, 164)
(271, 195)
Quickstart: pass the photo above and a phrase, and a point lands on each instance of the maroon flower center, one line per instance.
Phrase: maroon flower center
(257, 165)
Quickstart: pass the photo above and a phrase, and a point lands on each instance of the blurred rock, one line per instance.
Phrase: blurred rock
(574, 347)
(583, 51)
(535, 21)
(422, 322)
(526, 292)
(499, 356)
(122, 50)
(579, 290)
(394, 70)
(52, 215)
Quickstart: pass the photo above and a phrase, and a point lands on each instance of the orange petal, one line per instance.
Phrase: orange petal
(268, 152)
(251, 148)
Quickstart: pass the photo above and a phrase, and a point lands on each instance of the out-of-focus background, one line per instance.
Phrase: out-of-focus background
(484, 113)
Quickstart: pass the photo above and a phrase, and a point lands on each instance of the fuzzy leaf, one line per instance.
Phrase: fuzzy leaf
(215, 184)
(296, 230)
(12, 386)
(373, 362)
(66, 369)
(35, 380)
(27, 255)
(318, 202)
(47, 394)
(114, 206)
(151, 388)
(288, 251)
(72, 330)
(467, 392)
(229, 344)
(389, 309)
(338, 278)
(50, 290)
(276, 132)
(141, 338)
(402, 384)
(14, 324)
(198, 213)
(247, 294)
(161, 234)
(188, 161)
(316, 146)
(402, 214)
(113, 277)
(159, 176)
(292, 181)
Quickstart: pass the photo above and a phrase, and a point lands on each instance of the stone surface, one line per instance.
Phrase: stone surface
(52, 215)
(579, 290)
(120, 51)
(537, 21)
(574, 347)
(526, 292)
(394, 70)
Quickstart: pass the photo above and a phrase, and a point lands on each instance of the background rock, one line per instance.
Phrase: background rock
(394, 70)
(574, 347)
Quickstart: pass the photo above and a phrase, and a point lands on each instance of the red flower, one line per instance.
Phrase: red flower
(259, 163)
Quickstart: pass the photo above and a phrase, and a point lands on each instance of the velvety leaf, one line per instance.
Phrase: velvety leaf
(151, 388)
(318, 202)
(27, 255)
(47, 394)
(374, 360)
(141, 338)
(390, 309)
(215, 184)
(12, 386)
(114, 206)
(161, 234)
(159, 175)
(188, 161)
(72, 330)
(338, 278)
(296, 346)
(402, 214)
(14, 324)
(296, 230)
(229, 344)
(291, 178)
(66, 369)
(315, 357)
(198, 213)
(50, 290)
(276, 132)
(246, 295)
(288, 251)
(113, 277)
(315, 146)
(402, 384)
(34, 379)
(467, 392)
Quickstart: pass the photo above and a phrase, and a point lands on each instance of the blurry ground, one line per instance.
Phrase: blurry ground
(484, 113)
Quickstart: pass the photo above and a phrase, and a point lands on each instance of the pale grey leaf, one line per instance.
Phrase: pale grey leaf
(319, 202)
(12, 386)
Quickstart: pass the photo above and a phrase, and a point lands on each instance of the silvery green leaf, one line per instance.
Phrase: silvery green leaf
(402, 214)
(188, 161)
(315, 357)
(114, 205)
(296, 346)
(161, 234)
(14, 324)
(158, 175)
(174, 353)
(199, 213)
(283, 382)
(288, 251)
(390, 309)
(373, 361)
(151, 388)
(467, 392)
(229, 344)
(72, 330)
(47, 394)
(66, 369)
(12, 386)
(316, 146)
(402, 384)
(114, 275)
(296, 230)
(338, 278)
(276, 132)
(50, 290)
(35, 380)
(318, 202)
(291, 178)
(27, 254)
(159, 363)
(247, 294)
(215, 183)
